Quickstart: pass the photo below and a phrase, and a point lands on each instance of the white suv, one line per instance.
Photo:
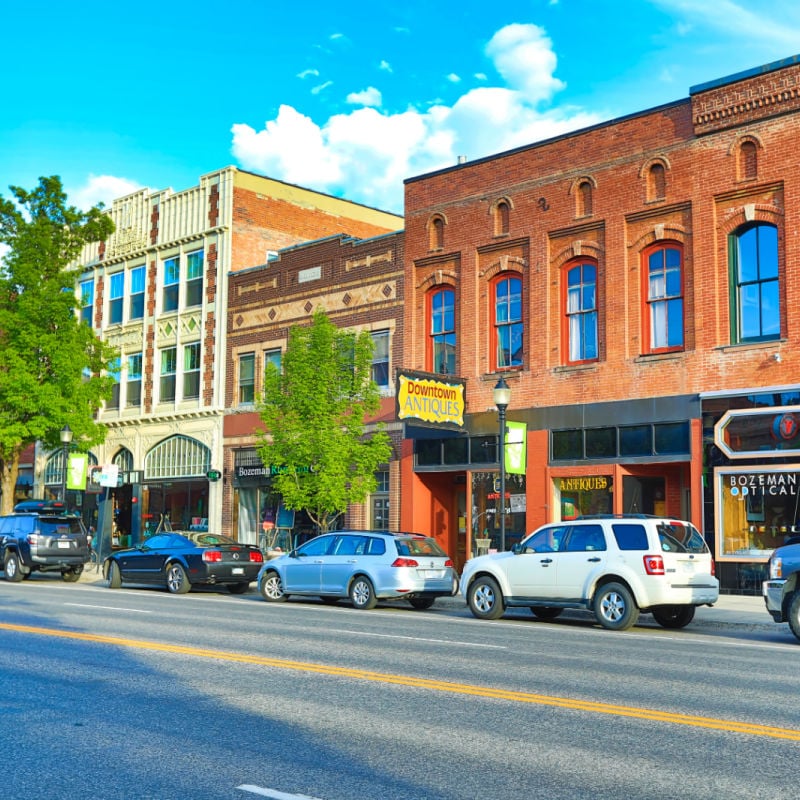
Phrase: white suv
(615, 566)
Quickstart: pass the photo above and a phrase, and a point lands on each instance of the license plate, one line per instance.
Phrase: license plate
(433, 573)
(63, 545)
(237, 571)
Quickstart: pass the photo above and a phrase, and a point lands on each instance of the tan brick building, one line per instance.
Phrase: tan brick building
(158, 290)
(632, 283)
(359, 284)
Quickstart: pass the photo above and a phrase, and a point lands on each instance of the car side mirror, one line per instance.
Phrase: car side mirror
(517, 549)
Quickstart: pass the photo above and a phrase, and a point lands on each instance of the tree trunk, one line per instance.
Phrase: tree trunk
(8, 484)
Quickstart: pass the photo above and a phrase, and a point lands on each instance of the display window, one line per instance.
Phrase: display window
(487, 508)
(583, 495)
(756, 510)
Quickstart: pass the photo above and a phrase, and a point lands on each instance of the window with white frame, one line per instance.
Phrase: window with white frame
(115, 296)
(134, 381)
(191, 371)
(247, 378)
(172, 275)
(380, 357)
(194, 278)
(136, 305)
(166, 393)
(273, 356)
(113, 371)
(87, 301)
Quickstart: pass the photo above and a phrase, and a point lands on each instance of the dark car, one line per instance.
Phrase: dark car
(43, 540)
(182, 560)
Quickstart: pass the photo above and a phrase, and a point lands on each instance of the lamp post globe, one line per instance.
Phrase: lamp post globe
(66, 440)
(502, 397)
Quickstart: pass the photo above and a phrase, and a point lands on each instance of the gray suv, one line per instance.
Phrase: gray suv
(45, 540)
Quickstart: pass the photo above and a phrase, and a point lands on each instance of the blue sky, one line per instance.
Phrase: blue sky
(348, 98)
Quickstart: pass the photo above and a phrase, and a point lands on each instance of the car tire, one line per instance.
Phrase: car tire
(421, 603)
(546, 612)
(793, 615)
(12, 568)
(673, 616)
(271, 588)
(485, 598)
(238, 588)
(614, 607)
(72, 575)
(113, 575)
(177, 580)
(362, 593)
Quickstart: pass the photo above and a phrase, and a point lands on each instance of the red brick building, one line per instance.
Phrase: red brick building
(633, 283)
(359, 284)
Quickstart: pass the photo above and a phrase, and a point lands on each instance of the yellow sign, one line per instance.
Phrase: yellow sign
(430, 400)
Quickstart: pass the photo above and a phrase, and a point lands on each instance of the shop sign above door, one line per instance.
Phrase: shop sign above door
(431, 399)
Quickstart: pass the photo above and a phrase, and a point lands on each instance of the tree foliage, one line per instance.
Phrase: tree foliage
(51, 363)
(314, 411)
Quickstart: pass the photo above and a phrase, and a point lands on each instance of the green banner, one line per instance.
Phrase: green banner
(77, 471)
(516, 437)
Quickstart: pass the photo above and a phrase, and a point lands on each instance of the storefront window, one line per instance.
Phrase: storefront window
(486, 507)
(584, 495)
(757, 510)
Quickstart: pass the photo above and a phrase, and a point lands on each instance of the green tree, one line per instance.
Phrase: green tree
(51, 363)
(314, 412)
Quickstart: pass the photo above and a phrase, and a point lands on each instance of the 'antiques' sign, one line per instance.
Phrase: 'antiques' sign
(430, 399)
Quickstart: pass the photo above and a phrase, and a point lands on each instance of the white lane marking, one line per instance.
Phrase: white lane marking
(273, 793)
(108, 608)
(418, 639)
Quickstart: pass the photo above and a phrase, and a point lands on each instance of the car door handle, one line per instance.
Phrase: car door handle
(546, 561)
(593, 560)
(352, 561)
(318, 561)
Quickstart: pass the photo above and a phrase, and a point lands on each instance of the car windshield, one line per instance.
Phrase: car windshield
(202, 539)
(419, 546)
(681, 537)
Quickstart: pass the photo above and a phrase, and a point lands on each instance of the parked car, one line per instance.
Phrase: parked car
(616, 566)
(365, 566)
(180, 560)
(781, 590)
(43, 540)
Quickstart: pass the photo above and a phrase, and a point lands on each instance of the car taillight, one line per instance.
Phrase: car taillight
(257, 556)
(713, 567)
(776, 567)
(654, 565)
(405, 562)
(32, 538)
(212, 556)
(449, 562)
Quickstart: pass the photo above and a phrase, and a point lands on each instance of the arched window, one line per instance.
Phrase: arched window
(656, 182)
(501, 218)
(436, 232)
(123, 458)
(580, 312)
(177, 457)
(508, 327)
(755, 286)
(584, 199)
(442, 331)
(663, 265)
(748, 160)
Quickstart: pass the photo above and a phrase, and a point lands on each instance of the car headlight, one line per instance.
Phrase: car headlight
(776, 567)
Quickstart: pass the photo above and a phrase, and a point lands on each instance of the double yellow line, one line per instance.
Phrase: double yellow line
(427, 683)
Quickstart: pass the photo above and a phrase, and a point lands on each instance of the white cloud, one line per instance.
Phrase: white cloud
(322, 87)
(100, 189)
(453, 78)
(308, 73)
(366, 154)
(369, 97)
(385, 66)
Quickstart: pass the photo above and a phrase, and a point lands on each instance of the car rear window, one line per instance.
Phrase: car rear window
(680, 537)
(419, 547)
(630, 535)
(54, 525)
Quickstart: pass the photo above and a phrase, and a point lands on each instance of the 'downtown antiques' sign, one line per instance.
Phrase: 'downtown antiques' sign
(431, 399)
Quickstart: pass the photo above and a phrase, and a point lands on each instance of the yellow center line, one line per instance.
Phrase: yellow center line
(732, 726)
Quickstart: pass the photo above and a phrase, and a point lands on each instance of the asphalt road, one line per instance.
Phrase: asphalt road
(140, 694)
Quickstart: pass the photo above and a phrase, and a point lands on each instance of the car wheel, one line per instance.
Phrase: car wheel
(673, 616)
(546, 612)
(485, 598)
(328, 600)
(13, 572)
(177, 582)
(113, 575)
(793, 616)
(72, 575)
(272, 588)
(614, 607)
(238, 588)
(362, 594)
(421, 603)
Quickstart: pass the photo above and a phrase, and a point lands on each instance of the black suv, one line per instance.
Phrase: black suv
(44, 540)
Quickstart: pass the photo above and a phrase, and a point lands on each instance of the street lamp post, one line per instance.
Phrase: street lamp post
(502, 397)
(66, 439)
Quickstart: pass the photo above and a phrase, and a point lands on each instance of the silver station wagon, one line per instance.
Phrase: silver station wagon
(365, 566)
